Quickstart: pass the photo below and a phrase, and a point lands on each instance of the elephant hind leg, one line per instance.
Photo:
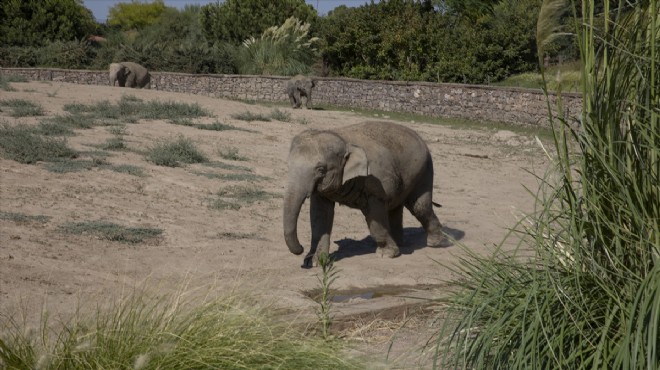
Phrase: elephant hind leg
(420, 204)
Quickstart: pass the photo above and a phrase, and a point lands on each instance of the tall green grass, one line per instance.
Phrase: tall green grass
(170, 331)
(582, 290)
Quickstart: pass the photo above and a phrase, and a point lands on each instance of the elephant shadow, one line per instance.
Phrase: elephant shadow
(414, 238)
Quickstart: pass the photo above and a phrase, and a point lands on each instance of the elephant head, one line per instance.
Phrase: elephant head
(320, 162)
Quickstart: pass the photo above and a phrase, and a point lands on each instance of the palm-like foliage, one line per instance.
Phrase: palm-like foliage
(583, 288)
(285, 50)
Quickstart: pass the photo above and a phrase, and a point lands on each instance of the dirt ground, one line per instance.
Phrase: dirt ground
(480, 179)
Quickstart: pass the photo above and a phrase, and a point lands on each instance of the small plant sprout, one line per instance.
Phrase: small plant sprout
(328, 276)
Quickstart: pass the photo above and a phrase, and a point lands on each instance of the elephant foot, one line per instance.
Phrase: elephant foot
(389, 251)
(310, 261)
(437, 240)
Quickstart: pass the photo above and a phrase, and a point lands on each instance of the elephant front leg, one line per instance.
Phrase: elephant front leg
(321, 215)
(378, 221)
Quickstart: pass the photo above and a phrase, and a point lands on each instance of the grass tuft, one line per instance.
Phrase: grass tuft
(23, 218)
(234, 197)
(168, 331)
(249, 116)
(111, 231)
(5, 81)
(280, 115)
(26, 145)
(231, 153)
(174, 153)
(22, 108)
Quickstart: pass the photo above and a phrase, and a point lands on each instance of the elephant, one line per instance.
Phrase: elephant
(376, 167)
(300, 86)
(129, 74)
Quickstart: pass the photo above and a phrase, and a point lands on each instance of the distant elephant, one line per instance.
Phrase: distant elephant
(298, 87)
(129, 74)
(377, 167)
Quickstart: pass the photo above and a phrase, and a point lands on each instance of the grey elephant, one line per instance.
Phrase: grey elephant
(377, 167)
(129, 74)
(297, 88)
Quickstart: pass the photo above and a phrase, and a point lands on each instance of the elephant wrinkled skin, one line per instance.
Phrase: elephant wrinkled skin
(377, 167)
(129, 74)
(299, 87)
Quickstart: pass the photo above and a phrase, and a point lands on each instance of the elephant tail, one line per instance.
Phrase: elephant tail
(437, 204)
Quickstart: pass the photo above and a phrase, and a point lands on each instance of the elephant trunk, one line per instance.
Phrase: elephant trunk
(293, 201)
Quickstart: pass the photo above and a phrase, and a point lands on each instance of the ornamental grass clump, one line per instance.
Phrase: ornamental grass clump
(167, 331)
(582, 290)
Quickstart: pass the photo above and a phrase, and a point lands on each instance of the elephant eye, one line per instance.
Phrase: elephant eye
(321, 170)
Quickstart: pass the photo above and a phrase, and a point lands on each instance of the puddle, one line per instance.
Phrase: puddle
(338, 296)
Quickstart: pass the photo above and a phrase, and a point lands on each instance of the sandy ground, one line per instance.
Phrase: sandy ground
(480, 180)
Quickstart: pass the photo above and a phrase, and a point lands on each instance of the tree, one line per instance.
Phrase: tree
(286, 50)
(235, 21)
(135, 15)
(38, 22)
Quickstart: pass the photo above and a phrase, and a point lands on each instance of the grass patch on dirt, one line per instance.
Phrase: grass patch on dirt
(237, 236)
(25, 145)
(114, 143)
(5, 81)
(50, 128)
(22, 108)
(128, 169)
(219, 126)
(112, 231)
(178, 330)
(249, 116)
(23, 218)
(280, 115)
(231, 154)
(234, 197)
(131, 109)
(227, 166)
(232, 176)
(175, 152)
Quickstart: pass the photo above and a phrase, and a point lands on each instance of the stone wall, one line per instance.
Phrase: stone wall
(474, 102)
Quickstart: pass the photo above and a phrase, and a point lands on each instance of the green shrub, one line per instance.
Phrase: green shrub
(128, 169)
(218, 126)
(54, 128)
(25, 145)
(66, 166)
(173, 153)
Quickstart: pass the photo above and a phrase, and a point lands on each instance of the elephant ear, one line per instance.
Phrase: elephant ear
(356, 164)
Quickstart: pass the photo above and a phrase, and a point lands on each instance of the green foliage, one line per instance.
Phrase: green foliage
(26, 145)
(175, 42)
(412, 40)
(135, 15)
(280, 115)
(111, 231)
(173, 153)
(583, 289)
(37, 22)
(168, 331)
(235, 21)
(286, 50)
